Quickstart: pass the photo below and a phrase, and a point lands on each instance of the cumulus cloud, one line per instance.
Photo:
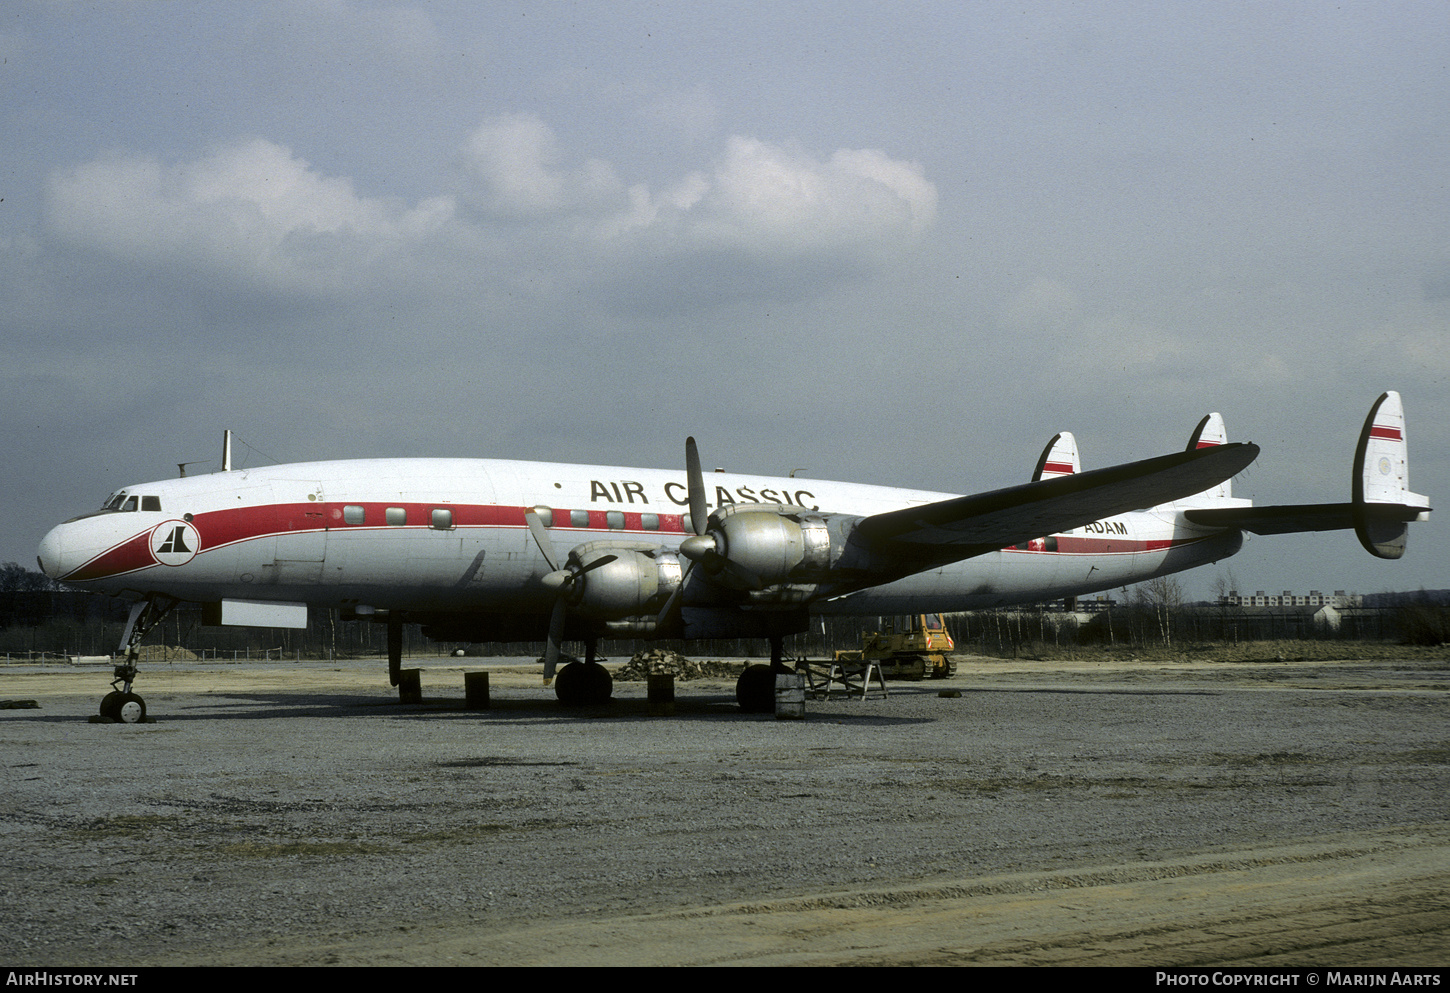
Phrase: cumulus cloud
(516, 156)
(762, 193)
(762, 219)
(759, 197)
(251, 207)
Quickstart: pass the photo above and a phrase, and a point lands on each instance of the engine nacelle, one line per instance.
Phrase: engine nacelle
(756, 546)
(639, 580)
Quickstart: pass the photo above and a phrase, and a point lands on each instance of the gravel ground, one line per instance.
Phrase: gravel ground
(298, 814)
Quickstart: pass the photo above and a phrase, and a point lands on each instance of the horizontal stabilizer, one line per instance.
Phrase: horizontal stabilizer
(1294, 518)
(974, 524)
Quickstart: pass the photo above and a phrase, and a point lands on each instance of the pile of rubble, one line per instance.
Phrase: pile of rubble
(165, 653)
(663, 661)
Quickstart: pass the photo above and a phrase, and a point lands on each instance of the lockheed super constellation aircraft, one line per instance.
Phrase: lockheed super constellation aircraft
(493, 550)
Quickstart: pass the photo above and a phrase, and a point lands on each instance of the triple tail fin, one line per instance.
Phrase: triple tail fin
(1381, 506)
(1059, 458)
(1382, 494)
(1211, 433)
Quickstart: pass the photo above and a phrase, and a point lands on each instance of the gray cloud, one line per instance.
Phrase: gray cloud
(900, 244)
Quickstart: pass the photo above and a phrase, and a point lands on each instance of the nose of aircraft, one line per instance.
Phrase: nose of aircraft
(52, 553)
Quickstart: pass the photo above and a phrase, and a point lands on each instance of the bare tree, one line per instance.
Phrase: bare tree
(1162, 597)
(1224, 584)
(16, 578)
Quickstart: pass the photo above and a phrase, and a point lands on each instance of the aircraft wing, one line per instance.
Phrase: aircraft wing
(970, 525)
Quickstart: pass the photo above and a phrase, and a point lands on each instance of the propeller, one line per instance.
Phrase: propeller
(699, 518)
(703, 547)
(564, 581)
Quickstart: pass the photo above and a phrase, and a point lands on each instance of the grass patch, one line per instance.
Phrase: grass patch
(1429, 756)
(292, 849)
(467, 834)
(127, 825)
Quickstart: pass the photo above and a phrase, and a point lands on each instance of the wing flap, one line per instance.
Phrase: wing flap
(973, 524)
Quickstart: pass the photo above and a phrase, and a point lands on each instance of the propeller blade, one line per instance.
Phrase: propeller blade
(552, 647)
(699, 513)
(596, 563)
(669, 608)
(541, 537)
(699, 517)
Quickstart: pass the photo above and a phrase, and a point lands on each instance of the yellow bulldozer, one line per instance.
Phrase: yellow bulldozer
(910, 646)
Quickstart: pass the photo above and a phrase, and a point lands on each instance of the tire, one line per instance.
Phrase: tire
(755, 690)
(579, 684)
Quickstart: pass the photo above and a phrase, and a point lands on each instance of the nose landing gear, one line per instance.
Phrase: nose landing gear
(121, 706)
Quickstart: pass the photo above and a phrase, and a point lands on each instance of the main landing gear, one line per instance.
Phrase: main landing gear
(121, 706)
(580, 684)
(755, 689)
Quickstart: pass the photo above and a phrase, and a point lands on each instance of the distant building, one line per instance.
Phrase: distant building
(1289, 598)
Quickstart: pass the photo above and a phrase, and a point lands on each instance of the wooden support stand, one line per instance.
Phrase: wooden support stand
(661, 689)
(475, 690)
(410, 687)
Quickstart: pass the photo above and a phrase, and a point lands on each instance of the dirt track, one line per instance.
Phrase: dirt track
(1377, 899)
(1055, 813)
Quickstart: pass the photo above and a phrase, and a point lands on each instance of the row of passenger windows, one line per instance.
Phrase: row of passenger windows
(441, 519)
(613, 519)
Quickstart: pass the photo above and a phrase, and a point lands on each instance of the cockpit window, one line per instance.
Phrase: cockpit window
(122, 501)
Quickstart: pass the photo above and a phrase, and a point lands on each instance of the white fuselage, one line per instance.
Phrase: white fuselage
(449, 535)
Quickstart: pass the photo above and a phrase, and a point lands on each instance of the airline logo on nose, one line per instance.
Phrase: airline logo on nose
(175, 542)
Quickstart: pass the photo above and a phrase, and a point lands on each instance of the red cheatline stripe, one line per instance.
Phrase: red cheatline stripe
(1072, 545)
(132, 554)
(1390, 432)
(219, 528)
(1207, 444)
(1063, 467)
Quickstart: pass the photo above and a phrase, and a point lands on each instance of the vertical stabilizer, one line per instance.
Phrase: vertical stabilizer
(1210, 433)
(1059, 458)
(1382, 480)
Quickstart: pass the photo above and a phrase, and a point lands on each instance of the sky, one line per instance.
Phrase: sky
(894, 243)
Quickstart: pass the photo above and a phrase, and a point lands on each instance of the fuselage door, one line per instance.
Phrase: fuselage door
(299, 520)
